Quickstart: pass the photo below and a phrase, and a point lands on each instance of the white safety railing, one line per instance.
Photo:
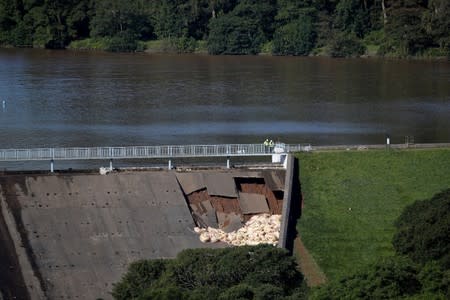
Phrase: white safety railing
(133, 152)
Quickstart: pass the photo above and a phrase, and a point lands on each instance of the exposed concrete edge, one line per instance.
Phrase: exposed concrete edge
(287, 199)
(32, 283)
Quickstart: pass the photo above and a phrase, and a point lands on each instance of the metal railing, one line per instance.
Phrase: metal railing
(136, 152)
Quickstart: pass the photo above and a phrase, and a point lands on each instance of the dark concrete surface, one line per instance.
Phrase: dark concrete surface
(81, 231)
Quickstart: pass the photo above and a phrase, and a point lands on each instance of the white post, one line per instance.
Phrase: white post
(110, 165)
(170, 164)
(228, 162)
(51, 166)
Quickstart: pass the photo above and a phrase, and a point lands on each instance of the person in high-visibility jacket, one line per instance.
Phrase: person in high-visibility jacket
(271, 145)
(266, 145)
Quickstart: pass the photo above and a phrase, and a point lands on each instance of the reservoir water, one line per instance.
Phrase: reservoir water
(67, 98)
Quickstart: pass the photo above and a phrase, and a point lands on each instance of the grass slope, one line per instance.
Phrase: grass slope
(376, 185)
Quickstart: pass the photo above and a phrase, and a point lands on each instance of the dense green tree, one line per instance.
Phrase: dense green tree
(13, 31)
(195, 15)
(296, 32)
(404, 31)
(423, 230)
(78, 20)
(260, 12)
(295, 38)
(238, 292)
(123, 22)
(243, 30)
(140, 276)
(352, 17)
(435, 280)
(8, 20)
(293, 10)
(436, 22)
(168, 22)
(118, 16)
(230, 34)
(343, 45)
(259, 272)
(391, 278)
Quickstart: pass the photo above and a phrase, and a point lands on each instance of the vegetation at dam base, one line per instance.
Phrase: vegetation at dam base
(246, 272)
(360, 229)
(338, 28)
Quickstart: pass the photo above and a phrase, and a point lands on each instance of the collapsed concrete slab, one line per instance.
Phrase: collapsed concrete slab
(253, 203)
(191, 182)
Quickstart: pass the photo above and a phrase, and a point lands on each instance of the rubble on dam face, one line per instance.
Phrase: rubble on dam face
(75, 234)
(234, 208)
(260, 229)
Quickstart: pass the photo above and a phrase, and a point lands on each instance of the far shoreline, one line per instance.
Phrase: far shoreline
(320, 53)
(154, 51)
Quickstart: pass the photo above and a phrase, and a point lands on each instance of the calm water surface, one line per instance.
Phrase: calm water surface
(64, 98)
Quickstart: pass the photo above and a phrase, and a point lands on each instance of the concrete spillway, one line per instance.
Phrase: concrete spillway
(71, 236)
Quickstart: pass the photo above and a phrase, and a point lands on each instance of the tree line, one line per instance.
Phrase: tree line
(278, 27)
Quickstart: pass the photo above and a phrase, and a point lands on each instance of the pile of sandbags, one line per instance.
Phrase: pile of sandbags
(260, 229)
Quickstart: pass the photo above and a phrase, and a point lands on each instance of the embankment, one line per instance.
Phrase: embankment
(352, 198)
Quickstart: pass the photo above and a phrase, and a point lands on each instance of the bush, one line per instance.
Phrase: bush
(267, 48)
(20, 36)
(374, 37)
(437, 52)
(201, 46)
(122, 42)
(346, 46)
(184, 44)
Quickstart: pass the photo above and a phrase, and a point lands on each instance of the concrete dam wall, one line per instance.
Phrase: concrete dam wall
(72, 236)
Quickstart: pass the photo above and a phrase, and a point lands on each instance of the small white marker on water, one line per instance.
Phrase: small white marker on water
(4, 104)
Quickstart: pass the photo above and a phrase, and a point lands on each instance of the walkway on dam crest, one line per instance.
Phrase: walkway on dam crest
(137, 152)
(182, 151)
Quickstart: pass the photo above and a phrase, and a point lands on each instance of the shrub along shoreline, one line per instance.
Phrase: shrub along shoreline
(176, 46)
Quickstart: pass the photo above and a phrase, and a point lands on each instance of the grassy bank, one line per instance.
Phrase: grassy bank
(353, 197)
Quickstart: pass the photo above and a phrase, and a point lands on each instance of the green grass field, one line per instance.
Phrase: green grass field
(352, 199)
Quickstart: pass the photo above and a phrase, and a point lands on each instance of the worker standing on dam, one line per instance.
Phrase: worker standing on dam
(266, 146)
(271, 145)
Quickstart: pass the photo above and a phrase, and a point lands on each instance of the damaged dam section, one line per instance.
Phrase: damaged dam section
(73, 235)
